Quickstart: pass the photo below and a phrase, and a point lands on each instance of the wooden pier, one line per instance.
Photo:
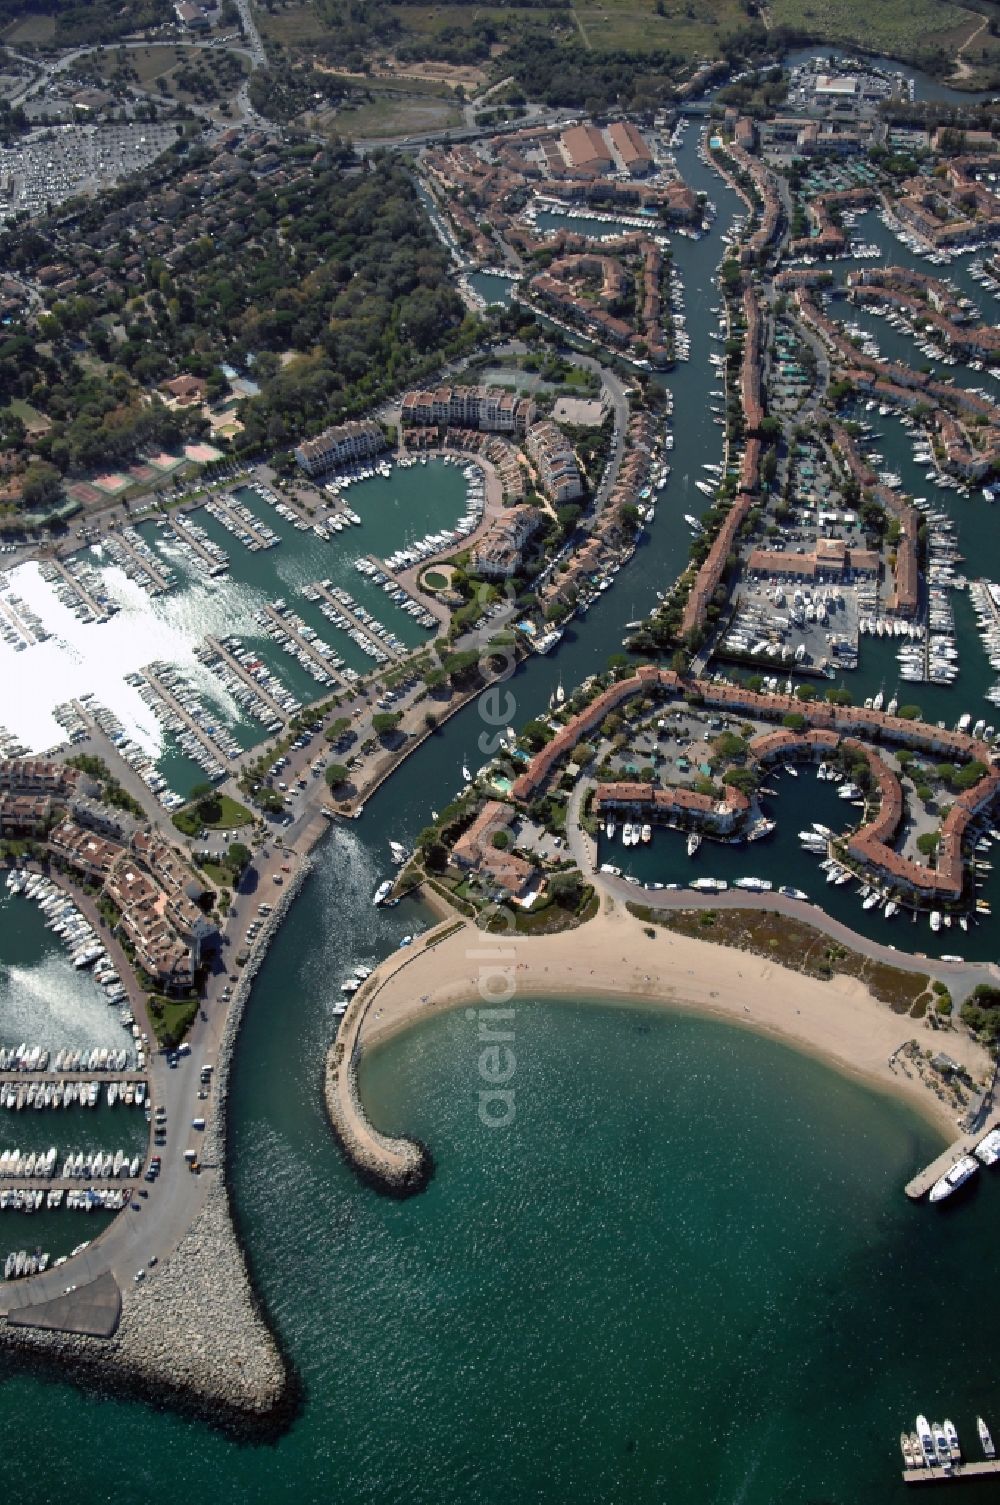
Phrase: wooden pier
(327, 665)
(432, 605)
(222, 502)
(159, 581)
(82, 1074)
(219, 563)
(234, 665)
(75, 1183)
(363, 627)
(173, 704)
(958, 1473)
(80, 589)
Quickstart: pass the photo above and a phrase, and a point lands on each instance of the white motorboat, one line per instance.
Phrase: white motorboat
(952, 1179)
(986, 1441)
(926, 1439)
(693, 843)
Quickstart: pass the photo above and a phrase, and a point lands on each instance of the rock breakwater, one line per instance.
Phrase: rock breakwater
(192, 1334)
(395, 1166)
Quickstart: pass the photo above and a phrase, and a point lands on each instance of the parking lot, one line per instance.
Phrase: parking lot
(50, 165)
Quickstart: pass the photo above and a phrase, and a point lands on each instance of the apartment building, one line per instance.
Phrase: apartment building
(491, 409)
(341, 445)
(557, 468)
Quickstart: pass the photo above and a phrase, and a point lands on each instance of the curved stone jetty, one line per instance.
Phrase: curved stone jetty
(395, 1166)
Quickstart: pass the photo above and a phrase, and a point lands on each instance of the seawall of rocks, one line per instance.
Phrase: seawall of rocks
(193, 1334)
(396, 1167)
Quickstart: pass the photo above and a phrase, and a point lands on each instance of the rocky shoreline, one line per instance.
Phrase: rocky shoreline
(194, 1334)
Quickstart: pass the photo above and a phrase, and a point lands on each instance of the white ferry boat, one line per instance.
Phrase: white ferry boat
(754, 885)
(710, 885)
(952, 1179)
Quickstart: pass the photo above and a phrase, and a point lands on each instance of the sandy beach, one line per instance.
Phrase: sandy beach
(612, 959)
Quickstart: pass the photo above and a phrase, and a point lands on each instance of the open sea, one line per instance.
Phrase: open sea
(686, 1271)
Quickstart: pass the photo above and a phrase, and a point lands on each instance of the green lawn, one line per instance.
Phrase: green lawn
(692, 29)
(30, 31)
(33, 420)
(230, 817)
(162, 60)
(397, 110)
(172, 1018)
(897, 27)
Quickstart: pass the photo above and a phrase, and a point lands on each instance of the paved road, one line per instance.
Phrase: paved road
(62, 64)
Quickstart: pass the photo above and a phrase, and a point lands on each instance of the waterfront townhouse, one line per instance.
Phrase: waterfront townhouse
(24, 814)
(751, 386)
(828, 238)
(497, 868)
(761, 196)
(830, 560)
(493, 818)
(962, 453)
(183, 889)
(90, 854)
(586, 150)
(825, 725)
(713, 567)
(557, 468)
(499, 552)
(159, 951)
(536, 774)
(37, 776)
(675, 804)
(344, 444)
(630, 148)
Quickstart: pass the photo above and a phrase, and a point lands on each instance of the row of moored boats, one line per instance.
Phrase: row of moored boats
(935, 1444)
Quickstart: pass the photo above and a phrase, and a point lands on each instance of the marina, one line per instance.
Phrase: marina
(798, 1278)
